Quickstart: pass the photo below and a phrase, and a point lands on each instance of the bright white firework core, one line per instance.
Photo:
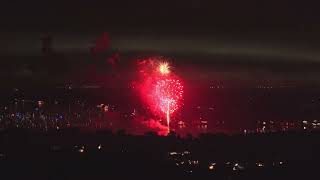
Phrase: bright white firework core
(164, 68)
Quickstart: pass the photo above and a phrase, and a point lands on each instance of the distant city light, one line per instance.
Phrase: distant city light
(81, 150)
(212, 166)
(186, 152)
(259, 164)
(106, 108)
(173, 153)
(100, 146)
(40, 103)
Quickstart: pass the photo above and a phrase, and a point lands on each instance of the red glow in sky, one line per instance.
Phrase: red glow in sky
(160, 88)
(168, 93)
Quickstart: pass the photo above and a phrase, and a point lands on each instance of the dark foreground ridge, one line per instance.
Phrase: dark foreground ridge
(70, 154)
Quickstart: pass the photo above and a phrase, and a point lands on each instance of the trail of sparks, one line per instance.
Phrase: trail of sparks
(168, 94)
(168, 116)
(160, 89)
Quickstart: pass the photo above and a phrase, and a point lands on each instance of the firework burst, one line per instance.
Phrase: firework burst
(164, 68)
(160, 88)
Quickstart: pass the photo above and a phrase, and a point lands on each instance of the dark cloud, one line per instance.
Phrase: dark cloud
(238, 39)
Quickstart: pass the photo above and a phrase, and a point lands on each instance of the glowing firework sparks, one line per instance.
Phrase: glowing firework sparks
(160, 88)
(169, 93)
(164, 68)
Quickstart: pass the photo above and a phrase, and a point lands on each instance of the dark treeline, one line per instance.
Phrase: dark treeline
(71, 154)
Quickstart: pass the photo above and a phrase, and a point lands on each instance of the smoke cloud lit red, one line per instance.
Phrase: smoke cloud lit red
(160, 90)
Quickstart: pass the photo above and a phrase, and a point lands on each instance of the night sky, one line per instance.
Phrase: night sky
(272, 38)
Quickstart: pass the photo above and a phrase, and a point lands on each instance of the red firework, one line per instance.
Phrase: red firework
(168, 94)
(160, 88)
